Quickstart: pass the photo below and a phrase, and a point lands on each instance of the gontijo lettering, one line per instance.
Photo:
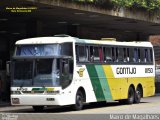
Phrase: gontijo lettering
(126, 70)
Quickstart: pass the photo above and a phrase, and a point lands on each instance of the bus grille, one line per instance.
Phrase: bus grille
(33, 92)
(26, 92)
(37, 91)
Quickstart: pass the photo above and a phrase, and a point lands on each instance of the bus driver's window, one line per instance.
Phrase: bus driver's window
(67, 72)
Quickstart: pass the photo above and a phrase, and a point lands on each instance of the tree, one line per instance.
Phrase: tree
(149, 5)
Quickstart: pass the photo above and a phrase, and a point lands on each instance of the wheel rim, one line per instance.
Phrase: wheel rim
(131, 95)
(138, 94)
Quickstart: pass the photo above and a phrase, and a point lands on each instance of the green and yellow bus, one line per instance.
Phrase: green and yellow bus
(64, 70)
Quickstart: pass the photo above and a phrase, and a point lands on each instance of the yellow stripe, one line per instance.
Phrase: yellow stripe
(108, 71)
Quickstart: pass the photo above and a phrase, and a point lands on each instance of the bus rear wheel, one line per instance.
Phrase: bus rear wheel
(131, 96)
(138, 95)
(38, 108)
(79, 101)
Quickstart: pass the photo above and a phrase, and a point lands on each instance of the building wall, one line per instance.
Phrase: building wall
(155, 40)
(98, 33)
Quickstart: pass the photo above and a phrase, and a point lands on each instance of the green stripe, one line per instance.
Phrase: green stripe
(95, 83)
(104, 82)
(39, 89)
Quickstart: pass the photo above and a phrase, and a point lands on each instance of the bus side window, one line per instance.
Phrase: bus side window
(120, 54)
(86, 53)
(117, 54)
(142, 56)
(139, 58)
(100, 54)
(145, 55)
(96, 54)
(136, 55)
(113, 54)
(128, 59)
(108, 54)
(135, 58)
(104, 54)
(150, 55)
(126, 54)
(131, 54)
(91, 53)
(82, 54)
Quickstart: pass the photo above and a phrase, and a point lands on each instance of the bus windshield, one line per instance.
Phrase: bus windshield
(39, 72)
(44, 50)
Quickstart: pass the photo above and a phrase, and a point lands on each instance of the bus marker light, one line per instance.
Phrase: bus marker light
(15, 101)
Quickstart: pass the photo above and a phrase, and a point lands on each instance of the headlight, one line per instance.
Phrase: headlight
(53, 92)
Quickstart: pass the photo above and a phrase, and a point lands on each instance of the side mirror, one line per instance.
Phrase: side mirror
(8, 68)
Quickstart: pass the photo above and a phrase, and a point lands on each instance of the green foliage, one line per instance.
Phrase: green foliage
(150, 5)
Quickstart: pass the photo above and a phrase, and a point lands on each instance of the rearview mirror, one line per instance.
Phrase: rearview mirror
(8, 64)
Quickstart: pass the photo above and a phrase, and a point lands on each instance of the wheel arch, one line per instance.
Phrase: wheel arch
(132, 87)
(83, 92)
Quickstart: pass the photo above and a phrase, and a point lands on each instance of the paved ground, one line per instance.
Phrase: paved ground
(99, 111)
(147, 105)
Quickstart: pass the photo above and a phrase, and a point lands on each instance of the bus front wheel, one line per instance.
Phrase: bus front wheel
(79, 101)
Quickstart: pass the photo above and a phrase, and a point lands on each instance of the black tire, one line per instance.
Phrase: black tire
(138, 95)
(79, 101)
(38, 108)
(131, 96)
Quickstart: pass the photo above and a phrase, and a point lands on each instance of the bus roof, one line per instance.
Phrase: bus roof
(51, 40)
(44, 40)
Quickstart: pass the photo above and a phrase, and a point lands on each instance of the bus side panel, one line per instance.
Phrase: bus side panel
(115, 83)
(99, 82)
(147, 84)
(149, 88)
(105, 86)
(82, 79)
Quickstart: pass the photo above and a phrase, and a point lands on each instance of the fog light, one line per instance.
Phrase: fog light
(15, 101)
(16, 92)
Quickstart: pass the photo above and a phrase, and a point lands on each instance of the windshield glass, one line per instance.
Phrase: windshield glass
(44, 50)
(37, 72)
(23, 73)
(47, 72)
(37, 50)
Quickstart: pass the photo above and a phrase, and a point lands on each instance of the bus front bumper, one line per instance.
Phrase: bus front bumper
(33, 100)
